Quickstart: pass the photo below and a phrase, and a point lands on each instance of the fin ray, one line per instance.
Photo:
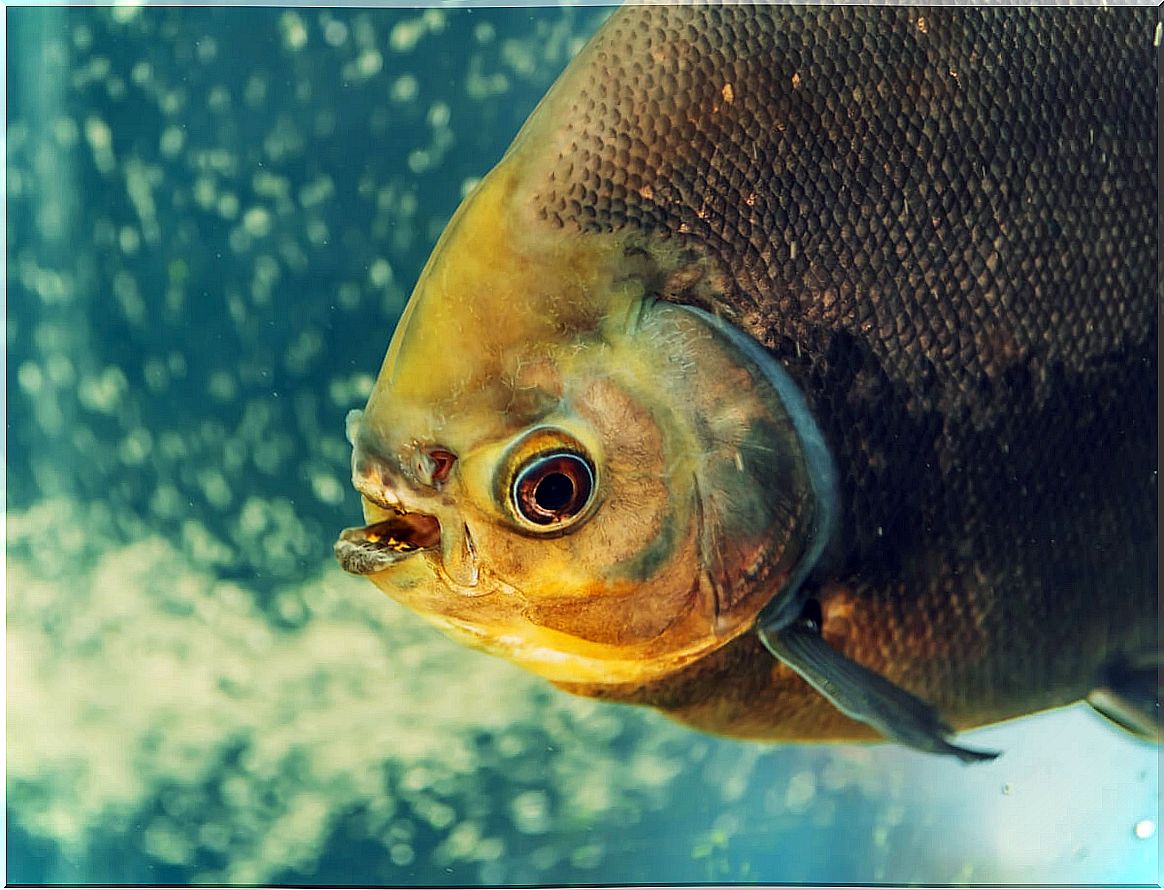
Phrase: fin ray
(863, 694)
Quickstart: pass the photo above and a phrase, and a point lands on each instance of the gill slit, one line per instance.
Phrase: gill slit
(786, 603)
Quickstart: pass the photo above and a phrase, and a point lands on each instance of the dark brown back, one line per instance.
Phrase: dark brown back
(944, 223)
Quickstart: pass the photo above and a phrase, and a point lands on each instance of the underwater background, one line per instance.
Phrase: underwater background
(214, 217)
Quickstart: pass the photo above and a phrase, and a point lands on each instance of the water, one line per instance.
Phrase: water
(214, 218)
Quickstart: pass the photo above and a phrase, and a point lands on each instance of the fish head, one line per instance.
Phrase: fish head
(562, 468)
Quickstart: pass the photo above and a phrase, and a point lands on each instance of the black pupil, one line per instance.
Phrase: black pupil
(552, 488)
(554, 492)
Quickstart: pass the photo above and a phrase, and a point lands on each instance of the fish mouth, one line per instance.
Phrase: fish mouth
(397, 532)
(368, 549)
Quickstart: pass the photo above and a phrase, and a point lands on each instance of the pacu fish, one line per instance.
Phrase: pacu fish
(794, 372)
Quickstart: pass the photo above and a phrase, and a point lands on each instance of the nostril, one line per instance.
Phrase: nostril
(441, 460)
(416, 466)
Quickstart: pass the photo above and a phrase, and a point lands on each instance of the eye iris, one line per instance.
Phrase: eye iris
(553, 488)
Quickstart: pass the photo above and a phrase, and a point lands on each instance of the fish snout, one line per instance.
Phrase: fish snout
(381, 469)
(376, 481)
(407, 514)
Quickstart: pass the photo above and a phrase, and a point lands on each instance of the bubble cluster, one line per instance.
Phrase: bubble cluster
(214, 218)
(240, 743)
(203, 263)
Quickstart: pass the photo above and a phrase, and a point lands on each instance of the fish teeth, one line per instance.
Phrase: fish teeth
(373, 548)
(366, 558)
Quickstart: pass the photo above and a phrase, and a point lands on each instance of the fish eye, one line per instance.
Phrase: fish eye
(552, 488)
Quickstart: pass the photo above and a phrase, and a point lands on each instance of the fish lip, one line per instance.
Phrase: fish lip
(379, 495)
(372, 548)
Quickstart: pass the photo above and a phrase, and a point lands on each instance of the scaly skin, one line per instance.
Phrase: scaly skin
(942, 224)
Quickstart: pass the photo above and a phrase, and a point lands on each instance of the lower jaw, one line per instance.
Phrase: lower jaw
(373, 548)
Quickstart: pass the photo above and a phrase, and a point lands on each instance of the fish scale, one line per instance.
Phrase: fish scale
(1006, 266)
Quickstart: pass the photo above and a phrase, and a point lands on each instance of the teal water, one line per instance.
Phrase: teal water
(214, 218)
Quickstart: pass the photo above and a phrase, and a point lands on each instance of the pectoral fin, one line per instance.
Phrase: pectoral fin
(862, 694)
(1129, 695)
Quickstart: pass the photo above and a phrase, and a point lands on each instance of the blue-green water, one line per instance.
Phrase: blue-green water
(214, 218)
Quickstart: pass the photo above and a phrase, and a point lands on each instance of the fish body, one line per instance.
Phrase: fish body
(768, 312)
